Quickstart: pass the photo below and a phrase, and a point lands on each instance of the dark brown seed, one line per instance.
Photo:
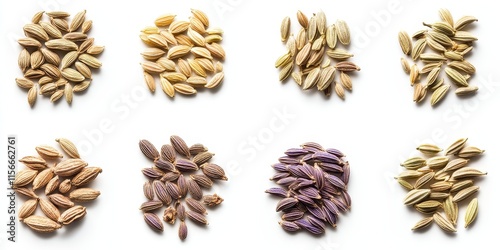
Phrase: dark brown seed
(213, 171)
(194, 189)
(181, 211)
(170, 176)
(202, 180)
(197, 148)
(181, 183)
(151, 205)
(149, 150)
(180, 145)
(148, 190)
(185, 165)
(152, 173)
(168, 153)
(173, 190)
(202, 158)
(161, 192)
(153, 221)
(183, 231)
(165, 165)
(195, 206)
(197, 217)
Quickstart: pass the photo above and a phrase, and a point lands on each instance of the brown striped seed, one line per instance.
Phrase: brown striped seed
(27, 209)
(49, 209)
(84, 194)
(41, 224)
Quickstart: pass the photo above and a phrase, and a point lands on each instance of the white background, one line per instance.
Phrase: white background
(377, 126)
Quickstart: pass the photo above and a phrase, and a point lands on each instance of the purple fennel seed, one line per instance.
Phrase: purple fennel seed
(280, 167)
(330, 189)
(294, 208)
(336, 181)
(331, 167)
(310, 192)
(165, 165)
(307, 158)
(331, 218)
(330, 206)
(318, 177)
(296, 171)
(347, 173)
(279, 176)
(292, 215)
(316, 222)
(313, 145)
(286, 181)
(346, 197)
(326, 157)
(278, 191)
(289, 226)
(340, 204)
(301, 182)
(305, 200)
(152, 173)
(335, 152)
(314, 230)
(286, 203)
(303, 223)
(294, 152)
(317, 212)
(288, 160)
(325, 194)
(294, 185)
(313, 186)
(307, 170)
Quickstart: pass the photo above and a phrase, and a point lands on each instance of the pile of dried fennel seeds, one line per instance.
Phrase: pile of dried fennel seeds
(58, 54)
(307, 50)
(172, 177)
(448, 45)
(313, 188)
(65, 183)
(442, 182)
(186, 55)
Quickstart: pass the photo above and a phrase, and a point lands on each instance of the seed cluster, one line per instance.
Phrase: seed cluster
(183, 54)
(65, 183)
(44, 46)
(313, 188)
(448, 45)
(307, 50)
(172, 177)
(441, 182)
